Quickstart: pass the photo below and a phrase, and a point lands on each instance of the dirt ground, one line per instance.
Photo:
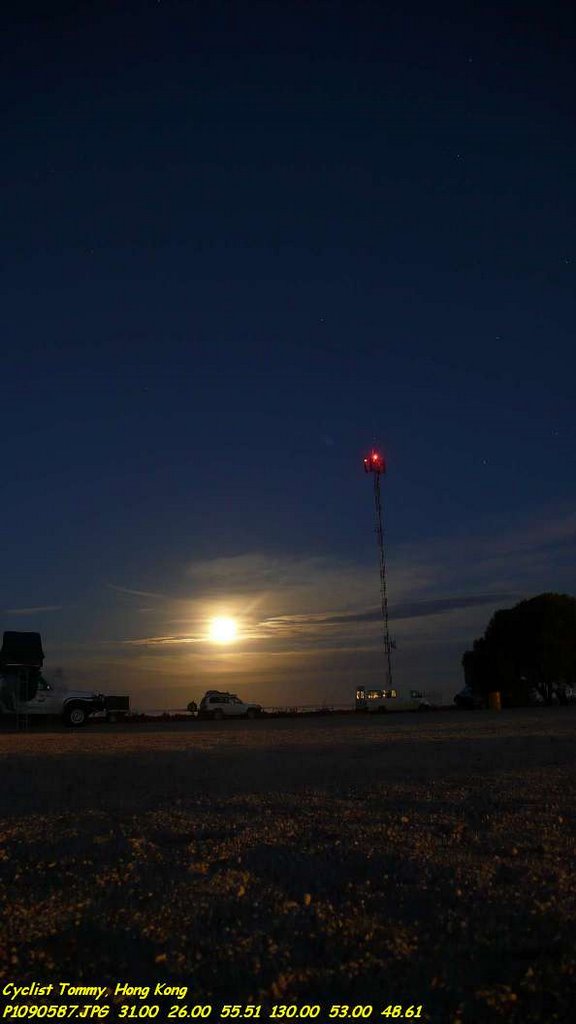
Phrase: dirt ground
(405, 859)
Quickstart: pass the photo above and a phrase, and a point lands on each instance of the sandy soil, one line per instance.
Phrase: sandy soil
(404, 859)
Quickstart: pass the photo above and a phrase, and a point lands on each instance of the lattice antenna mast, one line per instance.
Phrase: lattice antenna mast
(374, 463)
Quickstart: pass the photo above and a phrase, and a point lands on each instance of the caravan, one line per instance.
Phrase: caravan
(382, 701)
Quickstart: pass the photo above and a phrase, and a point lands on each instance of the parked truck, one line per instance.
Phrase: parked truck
(25, 692)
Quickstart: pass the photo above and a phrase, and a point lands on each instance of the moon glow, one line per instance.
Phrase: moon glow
(223, 630)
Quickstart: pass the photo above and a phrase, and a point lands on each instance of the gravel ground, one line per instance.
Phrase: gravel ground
(401, 859)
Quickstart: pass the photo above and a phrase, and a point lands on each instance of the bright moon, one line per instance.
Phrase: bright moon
(223, 631)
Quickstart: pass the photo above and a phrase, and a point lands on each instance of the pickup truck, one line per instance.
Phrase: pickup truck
(74, 707)
(25, 692)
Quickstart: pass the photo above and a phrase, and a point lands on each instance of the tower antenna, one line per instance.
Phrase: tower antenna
(375, 463)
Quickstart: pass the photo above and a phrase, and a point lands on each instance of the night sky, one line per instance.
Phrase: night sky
(241, 243)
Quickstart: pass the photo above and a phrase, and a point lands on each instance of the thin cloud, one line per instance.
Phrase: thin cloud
(138, 593)
(33, 611)
(157, 641)
(415, 610)
(285, 603)
(545, 535)
(444, 605)
(320, 628)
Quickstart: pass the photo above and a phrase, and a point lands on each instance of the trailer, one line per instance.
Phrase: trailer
(116, 707)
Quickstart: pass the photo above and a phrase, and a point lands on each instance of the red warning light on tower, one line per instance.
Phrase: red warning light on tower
(374, 462)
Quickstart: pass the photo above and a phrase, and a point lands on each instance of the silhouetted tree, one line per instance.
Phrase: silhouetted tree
(529, 647)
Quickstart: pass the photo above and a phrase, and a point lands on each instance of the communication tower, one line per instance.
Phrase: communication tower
(375, 463)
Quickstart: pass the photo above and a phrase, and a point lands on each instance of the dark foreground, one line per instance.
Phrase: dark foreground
(404, 860)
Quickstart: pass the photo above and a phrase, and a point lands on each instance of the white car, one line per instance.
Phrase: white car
(218, 704)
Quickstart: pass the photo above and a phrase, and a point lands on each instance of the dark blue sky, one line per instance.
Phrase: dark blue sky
(239, 243)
